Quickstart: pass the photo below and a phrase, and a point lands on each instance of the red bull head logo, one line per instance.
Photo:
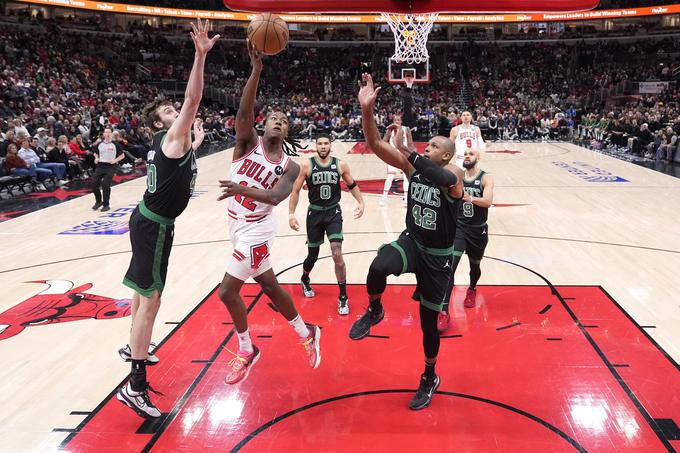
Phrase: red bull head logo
(60, 302)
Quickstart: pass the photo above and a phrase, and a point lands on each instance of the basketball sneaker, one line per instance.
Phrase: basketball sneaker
(307, 289)
(423, 396)
(470, 298)
(312, 345)
(139, 401)
(443, 321)
(241, 365)
(362, 326)
(343, 305)
(126, 354)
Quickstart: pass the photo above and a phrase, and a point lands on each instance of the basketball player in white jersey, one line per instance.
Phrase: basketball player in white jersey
(262, 175)
(390, 137)
(466, 136)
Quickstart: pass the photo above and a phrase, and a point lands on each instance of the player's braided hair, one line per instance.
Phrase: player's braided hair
(291, 145)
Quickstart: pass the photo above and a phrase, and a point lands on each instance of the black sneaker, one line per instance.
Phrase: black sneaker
(105, 208)
(96, 206)
(139, 401)
(307, 288)
(362, 326)
(423, 396)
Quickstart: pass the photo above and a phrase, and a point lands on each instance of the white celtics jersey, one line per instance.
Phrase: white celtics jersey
(468, 138)
(254, 170)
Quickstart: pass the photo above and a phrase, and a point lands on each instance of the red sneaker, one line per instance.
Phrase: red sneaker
(311, 345)
(470, 298)
(241, 365)
(443, 321)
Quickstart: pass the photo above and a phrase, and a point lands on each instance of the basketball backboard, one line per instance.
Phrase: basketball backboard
(409, 6)
(399, 71)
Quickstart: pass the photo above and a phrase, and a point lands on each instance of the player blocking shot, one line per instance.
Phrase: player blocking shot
(322, 174)
(472, 234)
(172, 171)
(262, 175)
(425, 248)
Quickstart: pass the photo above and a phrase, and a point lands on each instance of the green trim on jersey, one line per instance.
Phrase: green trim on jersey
(146, 212)
(431, 305)
(402, 252)
(316, 207)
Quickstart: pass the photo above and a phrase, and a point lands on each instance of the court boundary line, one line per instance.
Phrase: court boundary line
(521, 412)
(112, 394)
(608, 364)
(347, 233)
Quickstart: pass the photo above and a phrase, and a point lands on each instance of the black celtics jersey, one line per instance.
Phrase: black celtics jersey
(323, 184)
(431, 214)
(471, 214)
(170, 182)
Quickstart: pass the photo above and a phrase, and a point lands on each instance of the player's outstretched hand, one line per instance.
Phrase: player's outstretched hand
(229, 189)
(293, 223)
(359, 211)
(255, 56)
(199, 35)
(367, 93)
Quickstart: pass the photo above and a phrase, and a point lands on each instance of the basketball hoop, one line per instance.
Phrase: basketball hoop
(410, 35)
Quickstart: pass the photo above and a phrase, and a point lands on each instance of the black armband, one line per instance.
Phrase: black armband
(352, 186)
(433, 172)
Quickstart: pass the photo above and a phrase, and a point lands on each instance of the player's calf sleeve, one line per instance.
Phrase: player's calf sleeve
(312, 256)
(475, 273)
(428, 324)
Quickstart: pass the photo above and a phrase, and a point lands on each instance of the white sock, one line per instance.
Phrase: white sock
(244, 343)
(300, 327)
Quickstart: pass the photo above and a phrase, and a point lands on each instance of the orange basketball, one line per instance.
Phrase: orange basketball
(268, 33)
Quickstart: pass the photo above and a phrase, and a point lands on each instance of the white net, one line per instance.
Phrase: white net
(410, 35)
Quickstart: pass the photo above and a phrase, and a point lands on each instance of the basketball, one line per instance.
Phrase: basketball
(268, 33)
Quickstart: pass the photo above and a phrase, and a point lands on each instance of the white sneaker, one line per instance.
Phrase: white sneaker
(307, 289)
(40, 186)
(343, 306)
(138, 401)
(126, 354)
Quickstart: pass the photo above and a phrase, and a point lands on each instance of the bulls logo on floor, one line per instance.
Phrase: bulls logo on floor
(60, 302)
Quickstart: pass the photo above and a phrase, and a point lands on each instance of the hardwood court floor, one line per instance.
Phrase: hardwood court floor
(564, 216)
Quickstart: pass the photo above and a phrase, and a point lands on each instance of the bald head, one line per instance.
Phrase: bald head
(440, 149)
(447, 144)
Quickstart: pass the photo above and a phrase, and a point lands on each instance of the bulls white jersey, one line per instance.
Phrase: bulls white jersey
(467, 138)
(254, 170)
(393, 137)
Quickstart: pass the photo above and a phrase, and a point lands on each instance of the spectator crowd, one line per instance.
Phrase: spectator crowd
(60, 88)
